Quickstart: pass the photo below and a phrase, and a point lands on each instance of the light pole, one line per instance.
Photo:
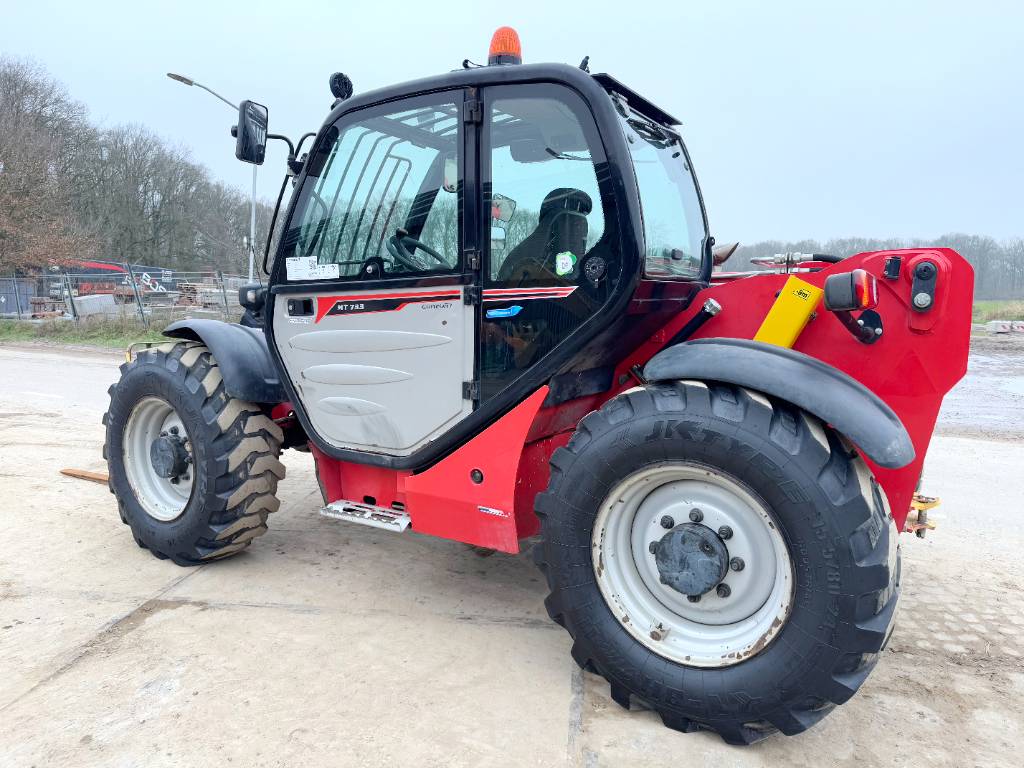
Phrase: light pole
(252, 204)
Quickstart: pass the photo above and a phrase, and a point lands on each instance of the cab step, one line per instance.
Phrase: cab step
(367, 514)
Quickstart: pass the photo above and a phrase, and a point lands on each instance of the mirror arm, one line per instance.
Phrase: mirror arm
(286, 140)
(302, 140)
(294, 164)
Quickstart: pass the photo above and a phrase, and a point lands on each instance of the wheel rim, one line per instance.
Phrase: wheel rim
(716, 631)
(159, 497)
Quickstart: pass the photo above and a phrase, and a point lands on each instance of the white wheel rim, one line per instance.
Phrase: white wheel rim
(158, 496)
(716, 631)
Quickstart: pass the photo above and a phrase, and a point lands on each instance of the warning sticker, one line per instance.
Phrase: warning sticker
(306, 268)
(564, 263)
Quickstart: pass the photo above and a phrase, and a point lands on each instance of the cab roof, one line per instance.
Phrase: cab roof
(504, 74)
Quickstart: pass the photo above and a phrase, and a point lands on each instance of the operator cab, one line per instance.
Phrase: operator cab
(457, 242)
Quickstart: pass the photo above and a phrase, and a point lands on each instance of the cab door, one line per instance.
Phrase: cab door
(554, 255)
(370, 319)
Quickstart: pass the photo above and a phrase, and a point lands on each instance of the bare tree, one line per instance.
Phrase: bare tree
(44, 131)
(69, 190)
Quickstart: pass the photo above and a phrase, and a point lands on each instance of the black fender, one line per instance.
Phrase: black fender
(241, 353)
(828, 393)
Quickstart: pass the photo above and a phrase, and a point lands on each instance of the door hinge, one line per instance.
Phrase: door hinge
(473, 111)
(471, 296)
(473, 258)
(471, 390)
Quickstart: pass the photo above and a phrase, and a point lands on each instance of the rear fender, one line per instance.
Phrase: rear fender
(828, 393)
(242, 355)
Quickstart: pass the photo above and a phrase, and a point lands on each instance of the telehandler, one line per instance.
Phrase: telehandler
(493, 314)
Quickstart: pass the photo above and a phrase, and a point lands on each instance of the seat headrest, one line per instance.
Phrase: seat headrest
(565, 199)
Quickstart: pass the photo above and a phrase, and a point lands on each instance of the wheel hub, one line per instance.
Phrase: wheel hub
(708, 593)
(168, 455)
(691, 559)
(158, 459)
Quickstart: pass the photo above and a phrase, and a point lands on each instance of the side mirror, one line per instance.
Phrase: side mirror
(252, 296)
(502, 209)
(529, 150)
(251, 133)
(497, 240)
(450, 183)
(721, 253)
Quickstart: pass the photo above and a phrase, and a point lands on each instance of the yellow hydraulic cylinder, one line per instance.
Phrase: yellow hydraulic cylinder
(790, 313)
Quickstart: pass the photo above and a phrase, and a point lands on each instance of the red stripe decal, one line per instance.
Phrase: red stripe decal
(534, 289)
(324, 304)
(525, 294)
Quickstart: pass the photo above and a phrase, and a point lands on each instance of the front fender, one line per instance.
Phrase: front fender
(828, 393)
(242, 355)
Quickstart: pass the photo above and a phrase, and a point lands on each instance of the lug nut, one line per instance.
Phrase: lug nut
(696, 515)
(725, 532)
(693, 598)
(652, 547)
(737, 564)
(163, 434)
(668, 522)
(174, 430)
(723, 590)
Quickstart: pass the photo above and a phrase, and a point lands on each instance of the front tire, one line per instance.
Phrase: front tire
(206, 490)
(826, 600)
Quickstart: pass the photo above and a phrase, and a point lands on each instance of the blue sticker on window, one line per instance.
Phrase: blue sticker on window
(505, 312)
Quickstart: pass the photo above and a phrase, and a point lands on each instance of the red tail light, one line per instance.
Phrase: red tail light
(848, 291)
(865, 289)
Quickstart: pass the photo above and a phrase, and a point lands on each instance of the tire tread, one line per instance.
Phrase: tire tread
(245, 468)
(839, 473)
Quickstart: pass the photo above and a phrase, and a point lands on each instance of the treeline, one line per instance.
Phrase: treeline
(70, 189)
(998, 267)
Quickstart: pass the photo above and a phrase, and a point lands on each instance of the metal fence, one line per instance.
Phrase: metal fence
(156, 298)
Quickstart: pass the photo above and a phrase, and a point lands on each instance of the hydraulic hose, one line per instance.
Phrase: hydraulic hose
(709, 310)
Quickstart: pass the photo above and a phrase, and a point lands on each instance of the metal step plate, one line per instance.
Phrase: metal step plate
(367, 514)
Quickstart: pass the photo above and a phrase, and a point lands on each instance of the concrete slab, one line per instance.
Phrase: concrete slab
(332, 644)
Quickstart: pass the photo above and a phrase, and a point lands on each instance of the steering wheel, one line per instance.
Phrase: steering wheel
(397, 247)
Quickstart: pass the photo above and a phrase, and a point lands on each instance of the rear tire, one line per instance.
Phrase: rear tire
(818, 493)
(221, 501)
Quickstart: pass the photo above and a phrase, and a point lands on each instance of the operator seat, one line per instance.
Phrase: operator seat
(561, 226)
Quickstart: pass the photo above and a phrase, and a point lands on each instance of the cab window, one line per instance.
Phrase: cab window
(674, 228)
(554, 256)
(547, 211)
(381, 196)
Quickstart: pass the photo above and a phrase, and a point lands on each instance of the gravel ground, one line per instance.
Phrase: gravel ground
(337, 645)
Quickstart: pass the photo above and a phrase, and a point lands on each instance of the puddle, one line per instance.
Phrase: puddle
(989, 400)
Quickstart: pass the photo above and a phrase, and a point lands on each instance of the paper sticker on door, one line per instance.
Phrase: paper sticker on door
(306, 268)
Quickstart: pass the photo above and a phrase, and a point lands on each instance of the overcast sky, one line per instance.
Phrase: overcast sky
(804, 119)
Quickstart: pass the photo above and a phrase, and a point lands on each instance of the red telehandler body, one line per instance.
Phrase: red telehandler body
(492, 314)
